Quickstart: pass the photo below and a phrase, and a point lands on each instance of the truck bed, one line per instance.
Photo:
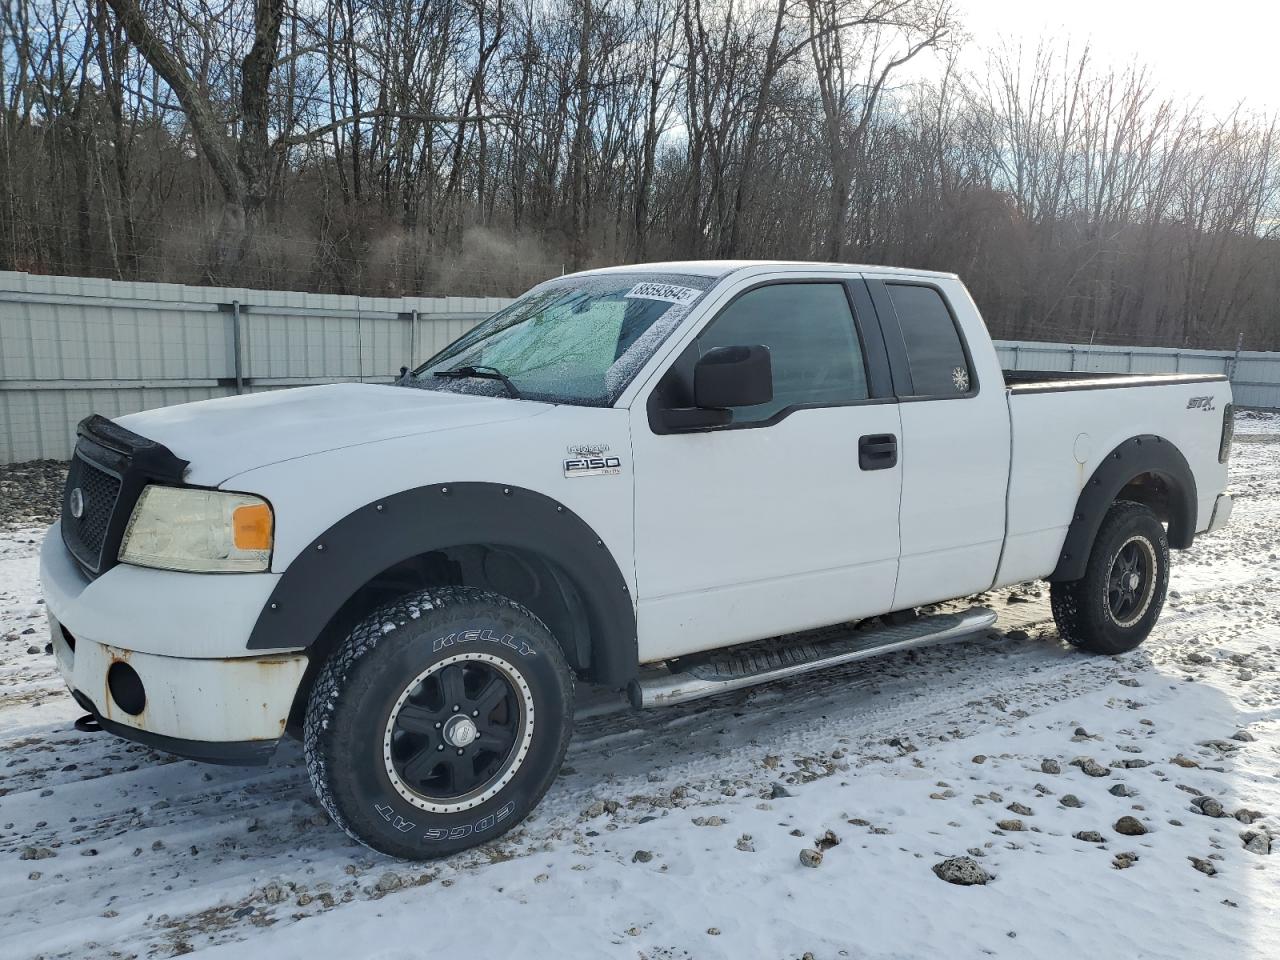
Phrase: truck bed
(1065, 423)
(1059, 381)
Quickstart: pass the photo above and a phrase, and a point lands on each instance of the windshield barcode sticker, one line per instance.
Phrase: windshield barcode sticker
(663, 291)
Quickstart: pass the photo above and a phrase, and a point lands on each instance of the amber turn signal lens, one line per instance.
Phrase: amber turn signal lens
(252, 527)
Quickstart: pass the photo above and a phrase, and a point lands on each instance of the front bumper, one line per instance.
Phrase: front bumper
(222, 710)
(237, 753)
(230, 709)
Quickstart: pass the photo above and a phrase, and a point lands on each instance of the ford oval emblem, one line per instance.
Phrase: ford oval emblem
(76, 503)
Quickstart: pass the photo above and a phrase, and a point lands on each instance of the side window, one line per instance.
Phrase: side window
(808, 328)
(934, 352)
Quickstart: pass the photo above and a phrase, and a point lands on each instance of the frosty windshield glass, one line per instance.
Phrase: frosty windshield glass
(575, 340)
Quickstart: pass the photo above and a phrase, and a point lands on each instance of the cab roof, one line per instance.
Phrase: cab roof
(722, 268)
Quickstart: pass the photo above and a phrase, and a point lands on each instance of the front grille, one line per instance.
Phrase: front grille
(98, 493)
(111, 467)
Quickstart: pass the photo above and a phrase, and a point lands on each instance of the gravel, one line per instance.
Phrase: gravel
(1256, 842)
(1091, 767)
(962, 871)
(31, 493)
(1204, 866)
(1130, 827)
(1208, 806)
(389, 881)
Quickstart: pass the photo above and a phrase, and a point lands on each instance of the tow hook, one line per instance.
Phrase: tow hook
(88, 724)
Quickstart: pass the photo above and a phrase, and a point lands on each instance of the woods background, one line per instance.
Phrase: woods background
(402, 147)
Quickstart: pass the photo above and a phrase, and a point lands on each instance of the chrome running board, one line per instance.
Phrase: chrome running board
(744, 666)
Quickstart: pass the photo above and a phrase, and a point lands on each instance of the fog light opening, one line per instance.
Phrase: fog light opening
(125, 687)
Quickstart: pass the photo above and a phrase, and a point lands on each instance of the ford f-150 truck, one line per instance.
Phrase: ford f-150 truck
(669, 479)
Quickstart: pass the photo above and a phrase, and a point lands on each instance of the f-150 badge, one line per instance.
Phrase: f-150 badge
(592, 465)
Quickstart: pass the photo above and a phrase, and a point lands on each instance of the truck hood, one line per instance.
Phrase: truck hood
(227, 436)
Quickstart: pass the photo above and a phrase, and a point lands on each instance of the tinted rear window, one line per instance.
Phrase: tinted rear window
(934, 352)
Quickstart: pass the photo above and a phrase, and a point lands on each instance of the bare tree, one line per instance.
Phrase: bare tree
(392, 146)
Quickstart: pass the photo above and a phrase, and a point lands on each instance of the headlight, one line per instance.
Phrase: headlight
(179, 528)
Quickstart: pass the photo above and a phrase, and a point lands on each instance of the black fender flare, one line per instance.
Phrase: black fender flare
(1133, 458)
(391, 530)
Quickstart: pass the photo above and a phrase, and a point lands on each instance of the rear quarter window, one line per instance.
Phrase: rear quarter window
(935, 353)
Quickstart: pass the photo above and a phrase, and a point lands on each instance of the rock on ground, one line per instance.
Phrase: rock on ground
(962, 871)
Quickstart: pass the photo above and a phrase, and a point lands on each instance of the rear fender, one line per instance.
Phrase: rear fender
(1147, 454)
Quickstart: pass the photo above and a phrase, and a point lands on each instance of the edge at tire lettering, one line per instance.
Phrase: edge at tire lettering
(387, 812)
(466, 829)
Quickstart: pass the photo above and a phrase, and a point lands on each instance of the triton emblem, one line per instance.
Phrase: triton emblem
(76, 502)
(587, 449)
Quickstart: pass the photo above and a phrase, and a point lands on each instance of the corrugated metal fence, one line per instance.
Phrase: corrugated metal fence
(71, 346)
(1255, 376)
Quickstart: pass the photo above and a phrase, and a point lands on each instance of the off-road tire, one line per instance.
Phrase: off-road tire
(1084, 609)
(349, 722)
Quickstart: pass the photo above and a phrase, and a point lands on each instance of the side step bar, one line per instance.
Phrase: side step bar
(774, 659)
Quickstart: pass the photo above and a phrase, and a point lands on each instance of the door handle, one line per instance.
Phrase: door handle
(877, 451)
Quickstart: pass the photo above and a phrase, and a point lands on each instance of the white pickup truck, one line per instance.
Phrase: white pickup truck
(670, 479)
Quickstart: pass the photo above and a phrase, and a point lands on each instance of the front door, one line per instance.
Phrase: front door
(786, 518)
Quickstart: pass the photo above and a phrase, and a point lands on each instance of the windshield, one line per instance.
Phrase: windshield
(575, 340)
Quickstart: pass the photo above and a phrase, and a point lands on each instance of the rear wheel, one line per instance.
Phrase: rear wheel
(1112, 608)
(439, 723)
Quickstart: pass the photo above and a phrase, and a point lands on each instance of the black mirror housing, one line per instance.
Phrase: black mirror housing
(737, 376)
(723, 378)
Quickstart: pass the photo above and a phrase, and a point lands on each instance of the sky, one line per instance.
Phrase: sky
(1220, 53)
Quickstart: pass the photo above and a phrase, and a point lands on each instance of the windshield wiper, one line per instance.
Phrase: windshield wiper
(480, 373)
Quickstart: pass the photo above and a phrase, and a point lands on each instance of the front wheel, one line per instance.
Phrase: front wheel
(1113, 607)
(439, 723)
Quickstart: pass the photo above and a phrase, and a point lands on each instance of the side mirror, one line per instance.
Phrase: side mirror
(723, 378)
(733, 377)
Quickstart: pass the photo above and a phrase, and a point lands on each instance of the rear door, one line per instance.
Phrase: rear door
(955, 439)
(787, 518)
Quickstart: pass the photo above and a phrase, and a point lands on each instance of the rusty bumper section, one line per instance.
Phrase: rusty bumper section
(218, 710)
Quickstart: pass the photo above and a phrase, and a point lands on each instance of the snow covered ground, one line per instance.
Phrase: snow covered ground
(679, 833)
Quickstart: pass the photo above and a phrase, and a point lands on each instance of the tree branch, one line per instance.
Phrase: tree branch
(204, 123)
(315, 133)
